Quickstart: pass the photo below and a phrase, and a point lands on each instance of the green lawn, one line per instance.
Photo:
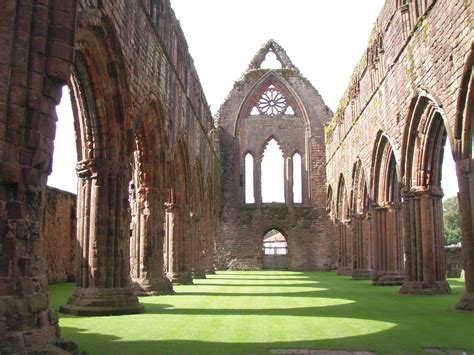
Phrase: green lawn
(251, 312)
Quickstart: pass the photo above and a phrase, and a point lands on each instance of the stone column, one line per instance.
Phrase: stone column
(148, 276)
(257, 180)
(36, 57)
(289, 181)
(361, 236)
(176, 246)
(345, 248)
(102, 251)
(198, 271)
(465, 172)
(209, 228)
(387, 246)
(424, 242)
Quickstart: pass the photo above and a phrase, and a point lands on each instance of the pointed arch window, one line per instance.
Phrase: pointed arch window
(297, 179)
(273, 178)
(271, 61)
(249, 191)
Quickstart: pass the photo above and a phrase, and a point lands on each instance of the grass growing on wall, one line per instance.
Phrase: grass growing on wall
(252, 312)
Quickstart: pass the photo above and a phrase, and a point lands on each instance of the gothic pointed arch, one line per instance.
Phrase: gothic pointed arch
(343, 233)
(463, 148)
(273, 103)
(273, 47)
(147, 200)
(101, 97)
(361, 225)
(387, 241)
(423, 145)
(178, 216)
(271, 97)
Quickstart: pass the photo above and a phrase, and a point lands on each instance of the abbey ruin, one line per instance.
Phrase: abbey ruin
(168, 193)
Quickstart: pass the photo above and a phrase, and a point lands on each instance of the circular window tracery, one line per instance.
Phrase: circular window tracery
(272, 102)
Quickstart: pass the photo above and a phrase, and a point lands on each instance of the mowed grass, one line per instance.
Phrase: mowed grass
(253, 312)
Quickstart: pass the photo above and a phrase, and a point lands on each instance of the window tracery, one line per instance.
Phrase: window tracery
(271, 103)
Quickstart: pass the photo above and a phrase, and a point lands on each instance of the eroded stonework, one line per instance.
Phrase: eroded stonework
(279, 105)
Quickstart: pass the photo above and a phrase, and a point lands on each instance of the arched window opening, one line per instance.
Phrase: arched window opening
(64, 175)
(275, 251)
(341, 213)
(273, 178)
(449, 182)
(297, 179)
(393, 191)
(271, 61)
(249, 192)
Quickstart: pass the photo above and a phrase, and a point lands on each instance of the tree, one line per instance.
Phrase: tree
(452, 221)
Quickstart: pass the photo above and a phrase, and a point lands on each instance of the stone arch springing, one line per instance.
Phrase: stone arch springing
(361, 227)
(423, 146)
(387, 242)
(463, 154)
(100, 92)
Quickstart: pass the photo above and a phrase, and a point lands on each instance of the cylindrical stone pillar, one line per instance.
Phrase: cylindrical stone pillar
(103, 283)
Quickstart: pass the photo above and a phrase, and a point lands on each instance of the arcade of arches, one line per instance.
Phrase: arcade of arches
(167, 193)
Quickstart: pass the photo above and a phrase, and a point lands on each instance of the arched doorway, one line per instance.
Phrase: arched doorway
(275, 251)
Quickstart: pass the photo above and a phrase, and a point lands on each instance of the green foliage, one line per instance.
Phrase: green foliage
(245, 312)
(452, 221)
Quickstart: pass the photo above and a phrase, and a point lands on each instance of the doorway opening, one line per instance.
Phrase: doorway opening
(275, 251)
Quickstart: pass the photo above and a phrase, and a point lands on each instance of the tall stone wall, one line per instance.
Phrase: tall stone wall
(454, 261)
(135, 91)
(247, 130)
(59, 233)
(402, 62)
(408, 94)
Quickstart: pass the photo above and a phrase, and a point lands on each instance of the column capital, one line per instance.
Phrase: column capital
(419, 191)
(171, 206)
(92, 168)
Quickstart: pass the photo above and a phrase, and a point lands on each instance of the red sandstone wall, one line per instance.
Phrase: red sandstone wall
(59, 232)
(429, 59)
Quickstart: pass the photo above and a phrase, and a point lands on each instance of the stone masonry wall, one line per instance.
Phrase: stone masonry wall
(426, 59)
(242, 226)
(59, 232)
(454, 261)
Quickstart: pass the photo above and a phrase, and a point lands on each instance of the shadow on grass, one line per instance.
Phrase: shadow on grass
(403, 324)
(94, 343)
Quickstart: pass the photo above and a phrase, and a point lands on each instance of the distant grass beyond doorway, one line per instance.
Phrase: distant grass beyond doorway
(253, 312)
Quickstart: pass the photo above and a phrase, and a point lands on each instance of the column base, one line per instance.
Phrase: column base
(426, 289)
(182, 277)
(466, 303)
(152, 287)
(388, 278)
(344, 270)
(102, 302)
(199, 274)
(360, 274)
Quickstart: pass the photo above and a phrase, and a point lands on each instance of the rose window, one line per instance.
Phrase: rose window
(272, 102)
